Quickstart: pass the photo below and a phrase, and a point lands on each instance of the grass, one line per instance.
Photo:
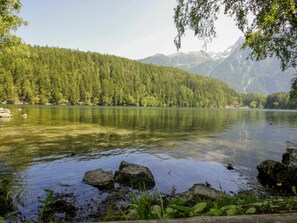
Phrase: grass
(146, 206)
(5, 198)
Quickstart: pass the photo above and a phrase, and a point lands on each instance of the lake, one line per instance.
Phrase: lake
(56, 145)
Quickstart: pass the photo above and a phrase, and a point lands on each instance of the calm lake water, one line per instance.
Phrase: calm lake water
(180, 146)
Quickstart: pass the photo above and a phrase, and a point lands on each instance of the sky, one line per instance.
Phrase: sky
(133, 29)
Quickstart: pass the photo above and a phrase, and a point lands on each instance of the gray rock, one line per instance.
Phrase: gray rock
(286, 158)
(134, 175)
(99, 178)
(275, 172)
(200, 191)
(290, 157)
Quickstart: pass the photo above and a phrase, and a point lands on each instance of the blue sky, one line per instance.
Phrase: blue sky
(129, 28)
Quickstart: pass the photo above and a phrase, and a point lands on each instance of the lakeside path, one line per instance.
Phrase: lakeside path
(263, 218)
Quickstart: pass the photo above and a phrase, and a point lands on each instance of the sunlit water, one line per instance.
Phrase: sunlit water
(180, 146)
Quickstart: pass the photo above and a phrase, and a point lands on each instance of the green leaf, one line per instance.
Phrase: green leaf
(294, 190)
(251, 210)
(169, 210)
(200, 207)
(272, 206)
(169, 213)
(166, 216)
(42, 201)
(182, 208)
(231, 212)
(48, 191)
(259, 204)
(2, 220)
(157, 211)
(214, 212)
(228, 207)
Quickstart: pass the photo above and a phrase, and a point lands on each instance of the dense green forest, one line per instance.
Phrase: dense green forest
(280, 100)
(42, 75)
(62, 76)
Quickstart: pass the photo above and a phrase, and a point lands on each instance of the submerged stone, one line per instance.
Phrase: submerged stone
(134, 176)
(99, 178)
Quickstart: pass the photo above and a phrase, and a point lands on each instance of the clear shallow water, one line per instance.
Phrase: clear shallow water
(180, 146)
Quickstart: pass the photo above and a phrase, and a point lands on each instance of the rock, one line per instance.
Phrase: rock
(99, 178)
(200, 191)
(134, 175)
(230, 167)
(5, 113)
(277, 173)
(24, 116)
(286, 158)
(290, 157)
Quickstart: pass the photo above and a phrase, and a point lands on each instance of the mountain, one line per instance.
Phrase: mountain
(233, 67)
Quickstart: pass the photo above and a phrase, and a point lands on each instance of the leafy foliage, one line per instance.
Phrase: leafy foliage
(9, 22)
(141, 206)
(254, 100)
(293, 92)
(6, 205)
(273, 31)
(280, 100)
(46, 203)
(146, 206)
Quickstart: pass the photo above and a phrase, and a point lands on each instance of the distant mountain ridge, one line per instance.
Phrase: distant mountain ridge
(231, 66)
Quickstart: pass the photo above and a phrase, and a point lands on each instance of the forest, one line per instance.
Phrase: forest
(280, 100)
(62, 76)
(49, 75)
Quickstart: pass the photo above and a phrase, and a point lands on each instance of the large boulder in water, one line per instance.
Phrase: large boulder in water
(134, 175)
(277, 173)
(99, 178)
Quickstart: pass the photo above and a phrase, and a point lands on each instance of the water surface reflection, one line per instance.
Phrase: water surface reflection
(56, 145)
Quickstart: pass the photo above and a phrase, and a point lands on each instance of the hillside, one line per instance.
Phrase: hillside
(63, 76)
(231, 66)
